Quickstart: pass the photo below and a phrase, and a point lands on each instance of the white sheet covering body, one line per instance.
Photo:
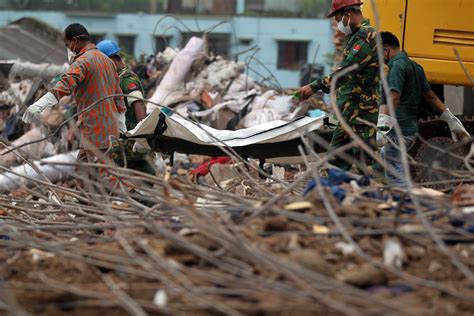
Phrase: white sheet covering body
(270, 132)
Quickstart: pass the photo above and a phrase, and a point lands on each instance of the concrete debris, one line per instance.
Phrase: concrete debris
(35, 148)
(393, 254)
(160, 299)
(345, 248)
(365, 276)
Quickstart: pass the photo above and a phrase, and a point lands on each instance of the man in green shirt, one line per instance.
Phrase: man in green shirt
(407, 83)
(136, 110)
(357, 93)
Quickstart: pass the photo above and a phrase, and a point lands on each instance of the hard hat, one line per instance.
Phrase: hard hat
(338, 5)
(108, 47)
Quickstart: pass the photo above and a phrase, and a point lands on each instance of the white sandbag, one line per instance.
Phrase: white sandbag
(173, 81)
(241, 83)
(218, 74)
(164, 58)
(12, 180)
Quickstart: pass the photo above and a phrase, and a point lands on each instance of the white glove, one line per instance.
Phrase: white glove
(139, 148)
(385, 124)
(455, 125)
(46, 101)
(121, 123)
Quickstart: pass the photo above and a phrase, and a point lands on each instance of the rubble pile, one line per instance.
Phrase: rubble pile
(238, 244)
(217, 235)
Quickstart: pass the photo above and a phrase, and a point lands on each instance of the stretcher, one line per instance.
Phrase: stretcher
(166, 132)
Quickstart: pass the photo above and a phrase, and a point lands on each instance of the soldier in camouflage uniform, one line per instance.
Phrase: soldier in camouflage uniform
(358, 93)
(123, 153)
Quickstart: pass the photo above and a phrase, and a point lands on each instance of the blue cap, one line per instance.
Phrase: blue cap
(108, 47)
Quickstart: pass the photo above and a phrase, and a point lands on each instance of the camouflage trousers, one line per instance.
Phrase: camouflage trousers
(123, 155)
(354, 155)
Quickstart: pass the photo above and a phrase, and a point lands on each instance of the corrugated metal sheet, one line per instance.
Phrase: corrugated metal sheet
(28, 39)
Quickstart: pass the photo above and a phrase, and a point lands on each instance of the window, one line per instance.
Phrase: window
(219, 43)
(96, 38)
(201, 6)
(127, 43)
(255, 5)
(182, 6)
(282, 6)
(161, 42)
(292, 55)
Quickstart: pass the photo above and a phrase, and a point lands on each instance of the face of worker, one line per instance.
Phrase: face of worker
(386, 54)
(344, 17)
(343, 21)
(71, 44)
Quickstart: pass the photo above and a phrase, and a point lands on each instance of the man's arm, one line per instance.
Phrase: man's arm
(395, 96)
(140, 109)
(458, 132)
(360, 53)
(64, 87)
(71, 79)
(135, 97)
(434, 101)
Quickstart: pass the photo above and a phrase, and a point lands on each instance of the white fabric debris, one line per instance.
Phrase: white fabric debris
(171, 87)
(167, 56)
(26, 174)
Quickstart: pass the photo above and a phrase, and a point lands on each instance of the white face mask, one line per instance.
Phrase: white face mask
(346, 29)
(70, 55)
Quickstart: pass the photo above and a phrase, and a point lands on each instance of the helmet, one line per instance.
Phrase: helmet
(108, 47)
(338, 5)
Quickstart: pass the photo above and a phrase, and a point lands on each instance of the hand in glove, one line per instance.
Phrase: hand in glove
(46, 101)
(139, 148)
(121, 123)
(458, 132)
(385, 124)
(305, 92)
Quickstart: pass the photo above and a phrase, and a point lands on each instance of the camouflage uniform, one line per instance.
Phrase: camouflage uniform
(357, 95)
(130, 84)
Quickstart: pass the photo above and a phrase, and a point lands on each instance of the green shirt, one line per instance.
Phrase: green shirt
(407, 78)
(358, 93)
(129, 82)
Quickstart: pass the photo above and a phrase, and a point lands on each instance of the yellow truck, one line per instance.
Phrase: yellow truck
(430, 31)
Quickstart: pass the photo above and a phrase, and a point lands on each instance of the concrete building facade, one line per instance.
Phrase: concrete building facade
(276, 49)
